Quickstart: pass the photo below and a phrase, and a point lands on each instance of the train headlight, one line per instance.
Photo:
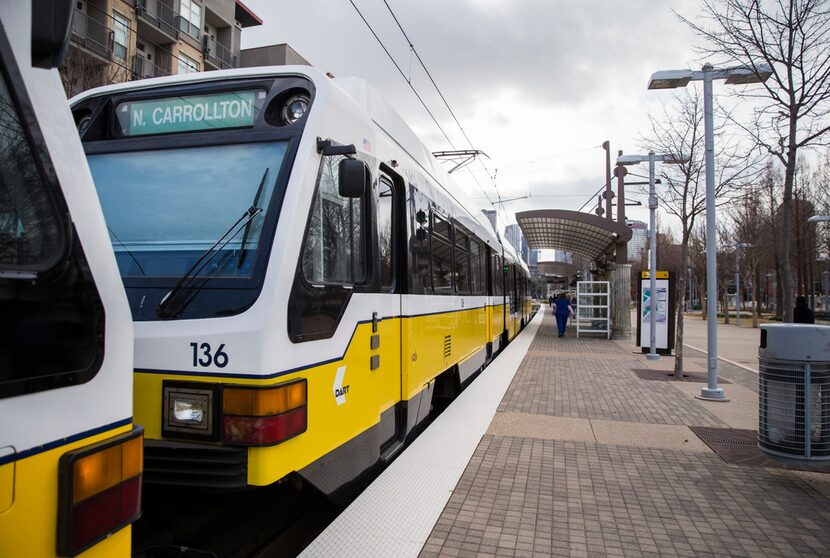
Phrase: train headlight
(99, 491)
(264, 416)
(294, 108)
(189, 409)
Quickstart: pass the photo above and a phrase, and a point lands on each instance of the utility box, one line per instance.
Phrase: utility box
(794, 391)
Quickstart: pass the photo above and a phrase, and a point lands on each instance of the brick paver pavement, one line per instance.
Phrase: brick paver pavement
(523, 496)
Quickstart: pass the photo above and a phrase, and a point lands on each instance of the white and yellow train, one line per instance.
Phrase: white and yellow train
(70, 457)
(306, 282)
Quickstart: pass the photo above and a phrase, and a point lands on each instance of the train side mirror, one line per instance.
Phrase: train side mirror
(51, 24)
(354, 178)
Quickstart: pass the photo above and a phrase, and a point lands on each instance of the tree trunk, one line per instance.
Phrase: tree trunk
(786, 207)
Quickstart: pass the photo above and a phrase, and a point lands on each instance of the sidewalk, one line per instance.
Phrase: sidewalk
(736, 344)
(585, 458)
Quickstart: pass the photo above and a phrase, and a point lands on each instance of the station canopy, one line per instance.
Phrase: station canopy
(580, 233)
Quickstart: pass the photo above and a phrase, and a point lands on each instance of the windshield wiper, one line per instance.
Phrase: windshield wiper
(242, 249)
(127, 250)
(167, 308)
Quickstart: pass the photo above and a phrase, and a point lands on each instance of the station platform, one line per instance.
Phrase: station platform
(582, 447)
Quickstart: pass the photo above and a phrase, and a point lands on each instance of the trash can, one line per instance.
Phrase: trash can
(794, 391)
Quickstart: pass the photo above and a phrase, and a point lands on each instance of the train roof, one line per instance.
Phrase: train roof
(365, 96)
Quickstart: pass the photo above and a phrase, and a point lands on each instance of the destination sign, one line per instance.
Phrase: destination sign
(189, 113)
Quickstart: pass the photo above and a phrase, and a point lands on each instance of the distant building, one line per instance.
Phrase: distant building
(513, 235)
(533, 263)
(638, 245)
(113, 41)
(525, 250)
(491, 216)
(562, 256)
(272, 55)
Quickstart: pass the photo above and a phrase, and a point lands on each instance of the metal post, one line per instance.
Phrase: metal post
(689, 301)
(711, 391)
(652, 239)
(607, 147)
(737, 285)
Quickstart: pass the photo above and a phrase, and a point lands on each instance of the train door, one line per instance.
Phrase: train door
(386, 335)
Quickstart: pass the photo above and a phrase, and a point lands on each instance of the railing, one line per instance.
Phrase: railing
(143, 68)
(186, 26)
(92, 34)
(218, 54)
(162, 16)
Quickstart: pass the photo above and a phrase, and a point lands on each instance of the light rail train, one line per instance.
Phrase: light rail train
(306, 281)
(70, 456)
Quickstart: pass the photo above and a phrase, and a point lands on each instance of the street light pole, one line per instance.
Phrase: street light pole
(711, 391)
(738, 246)
(737, 286)
(669, 79)
(651, 158)
(689, 278)
(652, 273)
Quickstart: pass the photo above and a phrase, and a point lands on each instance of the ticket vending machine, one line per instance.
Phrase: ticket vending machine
(665, 312)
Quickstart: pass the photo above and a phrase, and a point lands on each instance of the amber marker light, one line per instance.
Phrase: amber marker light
(99, 491)
(264, 416)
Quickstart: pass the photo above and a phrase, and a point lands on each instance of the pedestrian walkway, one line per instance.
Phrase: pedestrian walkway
(583, 457)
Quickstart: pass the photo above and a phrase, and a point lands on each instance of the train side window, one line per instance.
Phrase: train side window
(498, 274)
(419, 276)
(52, 328)
(335, 246)
(30, 235)
(441, 249)
(461, 256)
(385, 227)
(477, 282)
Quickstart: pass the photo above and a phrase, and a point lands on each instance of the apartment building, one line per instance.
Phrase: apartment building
(113, 41)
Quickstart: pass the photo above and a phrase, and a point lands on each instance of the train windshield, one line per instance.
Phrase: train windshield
(166, 208)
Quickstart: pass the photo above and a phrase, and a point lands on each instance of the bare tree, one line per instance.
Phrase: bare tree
(678, 131)
(792, 37)
(749, 226)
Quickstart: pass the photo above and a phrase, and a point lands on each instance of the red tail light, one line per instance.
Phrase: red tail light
(264, 416)
(99, 491)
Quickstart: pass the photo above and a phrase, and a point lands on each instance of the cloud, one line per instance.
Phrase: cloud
(527, 79)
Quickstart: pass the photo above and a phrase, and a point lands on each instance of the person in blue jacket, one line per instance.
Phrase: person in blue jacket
(563, 310)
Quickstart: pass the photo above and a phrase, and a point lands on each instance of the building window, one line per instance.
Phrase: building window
(187, 65)
(191, 18)
(121, 35)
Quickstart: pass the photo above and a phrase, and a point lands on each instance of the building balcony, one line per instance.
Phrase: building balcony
(157, 21)
(92, 35)
(218, 56)
(143, 68)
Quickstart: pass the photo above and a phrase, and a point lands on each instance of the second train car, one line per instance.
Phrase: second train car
(306, 281)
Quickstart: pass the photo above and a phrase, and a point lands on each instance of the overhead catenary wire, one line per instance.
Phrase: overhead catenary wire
(429, 75)
(409, 82)
(414, 51)
(400, 71)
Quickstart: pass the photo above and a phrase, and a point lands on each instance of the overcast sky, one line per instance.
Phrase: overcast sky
(537, 84)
